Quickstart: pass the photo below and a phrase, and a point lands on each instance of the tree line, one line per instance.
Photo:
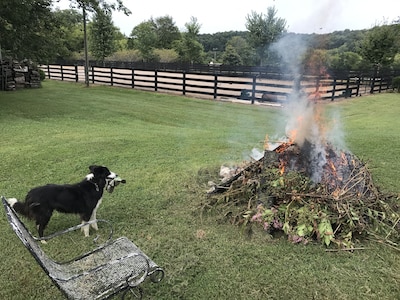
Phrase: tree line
(35, 29)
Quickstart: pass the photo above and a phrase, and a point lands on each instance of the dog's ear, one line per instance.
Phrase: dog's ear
(99, 170)
(92, 168)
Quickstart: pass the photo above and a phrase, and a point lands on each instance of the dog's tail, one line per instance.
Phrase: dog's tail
(20, 207)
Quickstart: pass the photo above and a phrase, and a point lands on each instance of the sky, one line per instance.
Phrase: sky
(302, 16)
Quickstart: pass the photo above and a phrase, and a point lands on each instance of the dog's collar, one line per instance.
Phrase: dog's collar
(96, 185)
(89, 178)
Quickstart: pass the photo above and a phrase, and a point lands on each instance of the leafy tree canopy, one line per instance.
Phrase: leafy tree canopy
(70, 32)
(218, 40)
(189, 48)
(379, 46)
(167, 32)
(231, 57)
(30, 28)
(344, 60)
(27, 28)
(193, 28)
(243, 49)
(94, 5)
(144, 38)
(102, 33)
(264, 30)
(159, 33)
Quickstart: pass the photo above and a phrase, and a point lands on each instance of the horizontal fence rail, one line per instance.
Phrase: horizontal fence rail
(219, 86)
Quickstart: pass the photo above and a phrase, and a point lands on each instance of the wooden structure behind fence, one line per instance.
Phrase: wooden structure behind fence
(251, 87)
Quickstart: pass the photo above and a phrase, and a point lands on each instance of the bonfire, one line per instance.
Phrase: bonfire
(307, 188)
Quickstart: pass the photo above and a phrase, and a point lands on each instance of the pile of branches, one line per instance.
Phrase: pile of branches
(341, 209)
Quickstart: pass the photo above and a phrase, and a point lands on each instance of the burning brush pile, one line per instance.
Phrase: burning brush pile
(307, 189)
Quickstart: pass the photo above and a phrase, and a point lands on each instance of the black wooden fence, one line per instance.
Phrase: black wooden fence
(252, 86)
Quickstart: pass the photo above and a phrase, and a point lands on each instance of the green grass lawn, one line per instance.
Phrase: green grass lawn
(159, 144)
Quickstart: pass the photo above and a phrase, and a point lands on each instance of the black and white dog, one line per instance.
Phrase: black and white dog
(81, 198)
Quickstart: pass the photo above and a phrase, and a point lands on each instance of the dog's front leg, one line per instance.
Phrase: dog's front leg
(85, 229)
(93, 216)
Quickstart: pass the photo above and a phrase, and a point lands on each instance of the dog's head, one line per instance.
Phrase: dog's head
(103, 177)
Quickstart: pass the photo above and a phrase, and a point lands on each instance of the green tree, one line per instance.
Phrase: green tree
(193, 28)
(94, 5)
(218, 40)
(344, 60)
(316, 62)
(243, 49)
(102, 33)
(263, 31)
(166, 55)
(121, 41)
(27, 29)
(144, 38)
(167, 32)
(70, 32)
(379, 45)
(396, 61)
(189, 48)
(126, 55)
(231, 57)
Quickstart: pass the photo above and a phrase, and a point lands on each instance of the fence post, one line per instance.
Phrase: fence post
(184, 83)
(48, 71)
(133, 78)
(215, 86)
(155, 80)
(373, 82)
(358, 86)
(348, 91)
(253, 89)
(76, 73)
(92, 74)
(111, 74)
(390, 79)
(62, 72)
(333, 89)
(297, 83)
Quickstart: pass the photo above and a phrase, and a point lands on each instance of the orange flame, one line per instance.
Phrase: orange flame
(344, 159)
(282, 170)
(332, 166)
(282, 165)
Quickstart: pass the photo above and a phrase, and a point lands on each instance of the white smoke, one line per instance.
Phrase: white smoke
(306, 122)
(300, 121)
(336, 135)
(291, 48)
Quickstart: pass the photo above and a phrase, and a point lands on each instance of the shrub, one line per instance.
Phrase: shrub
(42, 75)
(396, 84)
(166, 55)
(125, 55)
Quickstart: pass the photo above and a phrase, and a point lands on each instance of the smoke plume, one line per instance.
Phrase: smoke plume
(306, 121)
